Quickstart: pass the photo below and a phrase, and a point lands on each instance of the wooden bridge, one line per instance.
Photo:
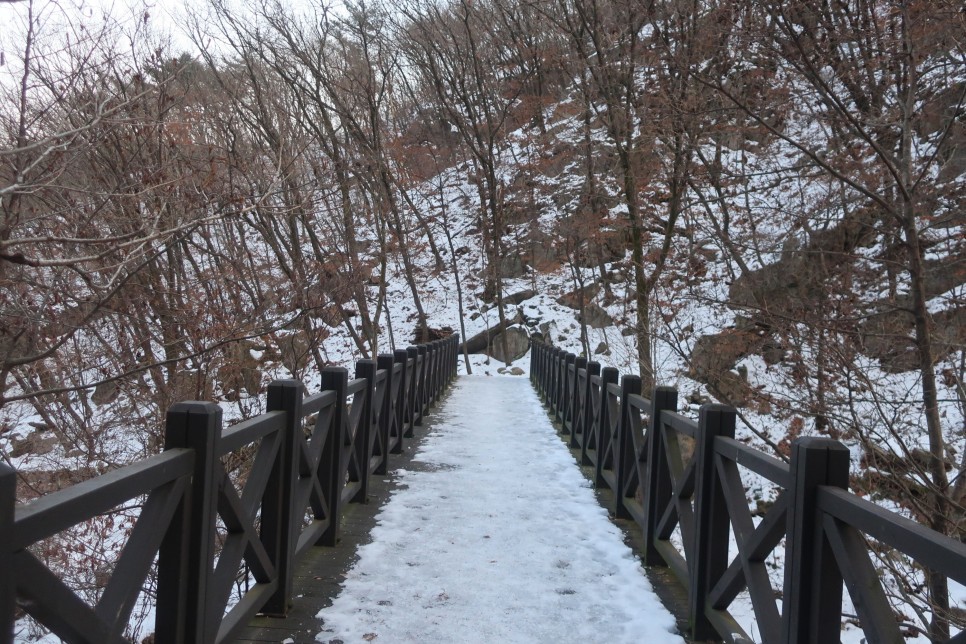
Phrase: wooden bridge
(311, 459)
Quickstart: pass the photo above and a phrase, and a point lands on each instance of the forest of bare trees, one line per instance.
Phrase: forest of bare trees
(181, 222)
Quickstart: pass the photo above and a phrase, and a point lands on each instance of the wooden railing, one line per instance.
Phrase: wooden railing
(668, 472)
(303, 459)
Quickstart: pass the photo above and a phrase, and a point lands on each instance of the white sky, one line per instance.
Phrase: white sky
(500, 539)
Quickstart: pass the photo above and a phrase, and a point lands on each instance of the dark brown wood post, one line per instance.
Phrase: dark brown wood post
(422, 397)
(430, 387)
(711, 524)
(548, 377)
(331, 470)
(403, 411)
(556, 356)
(415, 412)
(8, 584)
(624, 456)
(196, 426)
(434, 349)
(560, 372)
(454, 363)
(593, 369)
(608, 376)
(365, 439)
(278, 529)
(541, 369)
(657, 487)
(387, 415)
(576, 408)
(566, 388)
(536, 366)
(813, 584)
(545, 373)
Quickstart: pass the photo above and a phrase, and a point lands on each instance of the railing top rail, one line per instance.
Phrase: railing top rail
(614, 389)
(250, 430)
(680, 423)
(639, 402)
(317, 402)
(767, 466)
(928, 547)
(356, 385)
(60, 510)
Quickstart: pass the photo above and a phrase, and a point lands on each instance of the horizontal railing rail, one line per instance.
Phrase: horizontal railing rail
(680, 480)
(210, 524)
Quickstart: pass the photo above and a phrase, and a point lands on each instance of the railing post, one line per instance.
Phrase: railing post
(428, 382)
(593, 369)
(8, 585)
(534, 349)
(553, 381)
(813, 584)
(565, 389)
(415, 410)
(403, 413)
(441, 368)
(542, 371)
(576, 409)
(624, 456)
(278, 512)
(387, 415)
(454, 359)
(423, 382)
(608, 376)
(434, 371)
(711, 522)
(196, 426)
(657, 487)
(548, 377)
(364, 439)
(558, 386)
(546, 374)
(330, 464)
(454, 364)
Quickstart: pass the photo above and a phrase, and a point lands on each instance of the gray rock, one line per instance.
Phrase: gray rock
(596, 317)
(517, 344)
(521, 296)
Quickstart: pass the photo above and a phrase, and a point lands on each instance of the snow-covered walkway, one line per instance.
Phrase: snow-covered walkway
(496, 538)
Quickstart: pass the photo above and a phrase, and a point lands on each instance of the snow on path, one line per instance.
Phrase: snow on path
(498, 538)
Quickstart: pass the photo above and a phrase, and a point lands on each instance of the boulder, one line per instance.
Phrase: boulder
(479, 342)
(521, 296)
(512, 265)
(517, 344)
(715, 355)
(596, 317)
(573, 298)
